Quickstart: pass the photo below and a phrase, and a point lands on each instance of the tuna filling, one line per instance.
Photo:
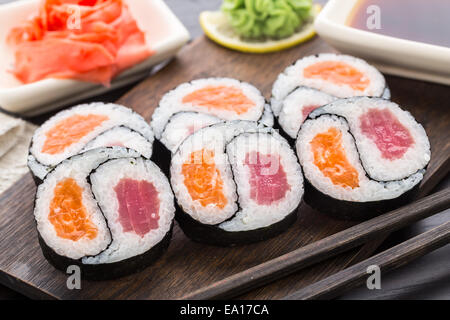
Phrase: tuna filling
(389, 135)
(268, 182)
(138, 206)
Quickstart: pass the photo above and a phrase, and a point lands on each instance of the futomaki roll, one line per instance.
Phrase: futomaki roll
(341, 76)
(199, 103)
(235, 182)
(361, 157)
(84, 127)
(297, 106)
(108, 210)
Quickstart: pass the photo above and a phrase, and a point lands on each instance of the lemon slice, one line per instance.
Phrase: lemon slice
(216, 27)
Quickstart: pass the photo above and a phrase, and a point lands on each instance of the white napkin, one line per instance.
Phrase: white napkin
(15, 137)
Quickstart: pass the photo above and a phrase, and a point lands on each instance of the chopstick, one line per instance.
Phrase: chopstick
(328, 247)
(388, 260)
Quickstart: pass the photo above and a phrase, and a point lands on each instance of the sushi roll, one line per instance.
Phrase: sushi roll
(361, 157)
(235, 182)
(199, 103)
(341, 76)
(108, 210)
(84, 127)
(184, 123)
(297, 106)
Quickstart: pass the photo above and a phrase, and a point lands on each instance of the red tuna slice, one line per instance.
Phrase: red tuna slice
(391, 137)
(138, 206)
(268, 181)
(307, 110)
(124, 217)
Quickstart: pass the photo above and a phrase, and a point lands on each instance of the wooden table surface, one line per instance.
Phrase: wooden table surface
(426, 278)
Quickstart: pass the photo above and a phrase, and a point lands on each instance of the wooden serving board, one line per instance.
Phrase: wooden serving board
(188, 266)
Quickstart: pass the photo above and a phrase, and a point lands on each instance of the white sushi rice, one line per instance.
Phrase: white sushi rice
(129, 244)
(122, 136)
(291, 116)
(378, 168)
(293, 77)
(77, 168)
(219, 138)
(368, 189)
(172, 103)
(267, 118)
(38, 169)
(183, 124)
(40, 163)
(252, 215)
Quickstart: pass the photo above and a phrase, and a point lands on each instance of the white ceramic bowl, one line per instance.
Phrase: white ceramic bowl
(391, 55)
(165, 35)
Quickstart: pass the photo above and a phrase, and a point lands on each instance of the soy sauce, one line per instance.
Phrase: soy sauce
(426, 21)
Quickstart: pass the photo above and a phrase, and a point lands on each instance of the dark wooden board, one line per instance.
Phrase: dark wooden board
(187, 265)
(388, 260)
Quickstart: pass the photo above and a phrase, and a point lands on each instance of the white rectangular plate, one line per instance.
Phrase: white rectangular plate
(391, 55)
(164, 33)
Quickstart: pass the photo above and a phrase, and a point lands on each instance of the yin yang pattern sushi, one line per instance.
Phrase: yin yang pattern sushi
(108, 210)
(235, 182)
(85, 127)
(361, 157)
(341, 76)
(220, 98)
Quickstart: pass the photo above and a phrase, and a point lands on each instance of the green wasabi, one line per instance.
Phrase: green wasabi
(262, 19)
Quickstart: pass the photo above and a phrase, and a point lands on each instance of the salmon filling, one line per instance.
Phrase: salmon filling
(68, 214)
(339, 73)
(330, 158)
(220, 98)
(268, 182)
(70, 131)
(203, 180)
(389, 135)
(138, 206)
(90, 40)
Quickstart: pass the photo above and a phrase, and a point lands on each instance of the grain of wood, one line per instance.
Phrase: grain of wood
(308, 255)
(388, 260)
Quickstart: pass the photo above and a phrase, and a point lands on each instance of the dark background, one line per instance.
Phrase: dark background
(425, 278)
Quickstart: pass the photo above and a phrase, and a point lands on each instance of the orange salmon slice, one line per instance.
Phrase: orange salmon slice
(330, 158)
(68, 214)
(220, 98)
(70, 131)
(339, 73)
(203, 179)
